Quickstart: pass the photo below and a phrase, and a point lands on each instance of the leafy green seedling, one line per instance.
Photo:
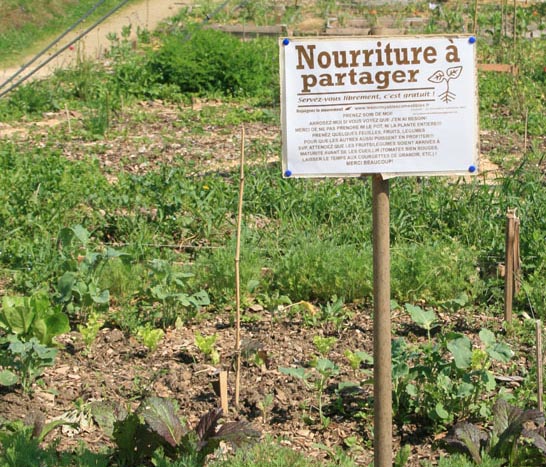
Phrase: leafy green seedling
(91, 329)
(149, 336)
(24, 362)
(324, 344)
(265, 404)
(206, 344)
(425, 319)
(357, 357)
(324, 370)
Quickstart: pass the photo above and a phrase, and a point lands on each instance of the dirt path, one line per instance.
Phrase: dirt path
(145, 14)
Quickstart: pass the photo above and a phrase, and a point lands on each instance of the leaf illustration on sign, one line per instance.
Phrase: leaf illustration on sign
(437, 77)
(454, 72)
(451, 73)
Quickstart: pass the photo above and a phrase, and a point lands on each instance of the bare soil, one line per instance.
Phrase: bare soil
(118, 368)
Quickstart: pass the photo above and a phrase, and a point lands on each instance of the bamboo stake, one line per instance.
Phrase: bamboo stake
(514, 31)
(237, 273)
(68, 118)
(509, 265)
(526, 131)
(540, 386)
(475, 24)
(517, 256)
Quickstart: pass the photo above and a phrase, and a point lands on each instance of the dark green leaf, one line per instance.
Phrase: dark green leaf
(468, 439)
(426, 319)
(296, 372)
(65, 237)
(65, 285)
(106, 414)
(160, 414)
(101, 298)
(461, 349)
(8, 378)
(17, 315)
(82, 234)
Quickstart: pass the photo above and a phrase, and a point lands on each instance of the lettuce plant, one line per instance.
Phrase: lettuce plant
(33, 317)
(517, 436)
(156, 427)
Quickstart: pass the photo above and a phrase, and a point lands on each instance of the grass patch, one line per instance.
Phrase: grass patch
(27, 25)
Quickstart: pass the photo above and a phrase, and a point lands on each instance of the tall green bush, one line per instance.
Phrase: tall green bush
(210, 61)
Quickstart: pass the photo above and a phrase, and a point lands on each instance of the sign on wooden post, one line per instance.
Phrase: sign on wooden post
(404, 105)
(385, 106)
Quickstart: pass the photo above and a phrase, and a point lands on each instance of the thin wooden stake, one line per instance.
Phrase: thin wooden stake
(517, 258)
(525, 134)
(475, 23)
(222, 379)
(68, 118)
(237, 273)
(515, 30)
(509, 265)
(540, 384)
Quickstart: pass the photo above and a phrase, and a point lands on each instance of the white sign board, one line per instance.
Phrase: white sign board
(404, 105)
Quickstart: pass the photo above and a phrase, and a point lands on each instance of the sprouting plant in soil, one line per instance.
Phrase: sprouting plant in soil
(320, 372)
(207, 346)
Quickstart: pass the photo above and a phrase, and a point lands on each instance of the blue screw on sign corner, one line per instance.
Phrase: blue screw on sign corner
(288, 173)
(286, 41)
(471, 39)
(472, 169)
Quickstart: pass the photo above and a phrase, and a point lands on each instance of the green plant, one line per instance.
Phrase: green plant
(206, 345)
(322, 370)
(79, 286)
(265, 404)
(91, 328)
(150, 337)
(24, 362)
(425, 319)
(402, 456)
(21, 444)
(155, 430)
(356, 358)
(205, 62)
(33, 317)
(459, 460)
(168, 286)
(324, 344)
(269, 453)
(446, 378)
(517, 437)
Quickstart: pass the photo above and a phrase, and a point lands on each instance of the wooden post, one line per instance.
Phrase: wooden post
(382, 324)
(509, 265)
(237, 273)
(222, 378)
(540, 384)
